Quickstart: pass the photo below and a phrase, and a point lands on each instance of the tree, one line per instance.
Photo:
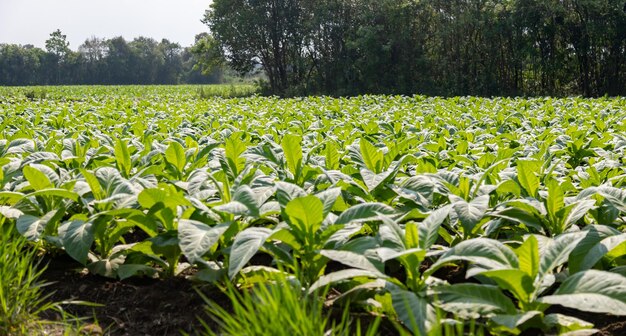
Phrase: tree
(207, 54)
(57, 44)
(266, 32)
(58, 47)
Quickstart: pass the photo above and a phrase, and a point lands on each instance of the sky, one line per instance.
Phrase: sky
(32, 21)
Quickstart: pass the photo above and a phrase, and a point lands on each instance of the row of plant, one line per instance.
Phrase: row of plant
(380, 198)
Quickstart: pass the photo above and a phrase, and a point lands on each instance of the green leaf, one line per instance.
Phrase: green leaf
(234, 147)
(331, 153)
(131, 270)
(372, 156)
(592, 291)
(514, 321)
(77, 237)
(247, 243)
(528, 255)
(570, 214)
(293, 153)
(554, 252)
(411, 237)
(555, 199)
(474, 300)
(169, 196)
(55, 193)
(328, 198)
(363, 212)
(412, 310)
(36, 178)
(94, 185)
(306, 213)
(429, 228)
(566, 324)
(343, 275)
(527, 171)
(175, 155)
(122, 157)
(599, 241)
(515, 281)
(471, 213)
(244, 203)
(487, 253)
(196, 238)
(351, 259)
(32, 227)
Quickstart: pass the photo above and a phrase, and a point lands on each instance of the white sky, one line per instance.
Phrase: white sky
(32, 21)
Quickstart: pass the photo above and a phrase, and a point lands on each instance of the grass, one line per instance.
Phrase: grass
(21, 298)
(279, 308)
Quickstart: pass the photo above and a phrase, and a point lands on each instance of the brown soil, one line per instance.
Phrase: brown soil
(135, 307)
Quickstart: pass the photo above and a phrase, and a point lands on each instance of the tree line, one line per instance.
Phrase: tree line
(436, 47)
(106, 61)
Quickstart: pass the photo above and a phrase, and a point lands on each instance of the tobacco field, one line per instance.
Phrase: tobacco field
(504, 215)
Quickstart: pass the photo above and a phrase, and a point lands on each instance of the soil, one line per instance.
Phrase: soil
(143, 306)
(131, 307)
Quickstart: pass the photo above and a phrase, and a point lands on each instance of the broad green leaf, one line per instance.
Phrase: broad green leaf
(487, 253)
(554, 252)
(567, 324)
(372, 156)
(196, 238)
(598, 242)
(474, 300)
(55, 192)
(363, 212)
(107, 267)
(168, 196)
(343, 275)
(94, 184)
(515, 281)
(32, 227)
(77, 237)
(131, 270)
(244, 203)
(234, 147)
(471, 213)
(10, 197)
(306, 213)
(351, 259)
(36, 178)
(429, 228)
(328, 198)
(175, 155)
(412, 310)
(286, 191)
(592, 291)
(247, 243)
(555, 199)
(570, 214)
(527, 171)
(514, 321)
(122, 157)
(411, 238)
(293, 152)
(331, 153)
(528, 255)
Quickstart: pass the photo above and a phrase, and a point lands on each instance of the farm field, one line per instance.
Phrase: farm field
(443, 216)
